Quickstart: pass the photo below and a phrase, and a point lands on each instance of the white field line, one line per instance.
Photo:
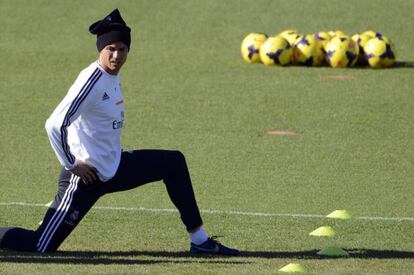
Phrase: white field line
(209, 211)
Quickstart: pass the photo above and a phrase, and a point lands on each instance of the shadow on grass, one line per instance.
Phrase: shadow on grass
(111, 258)
(128, 257)
(404, 64)
(397, 65)
(353, 253)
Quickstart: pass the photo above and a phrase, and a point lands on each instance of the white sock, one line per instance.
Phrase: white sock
(199, 237)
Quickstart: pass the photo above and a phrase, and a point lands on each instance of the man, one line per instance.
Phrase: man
(85, 133)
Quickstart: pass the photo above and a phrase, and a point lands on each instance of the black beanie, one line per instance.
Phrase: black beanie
(111, 29)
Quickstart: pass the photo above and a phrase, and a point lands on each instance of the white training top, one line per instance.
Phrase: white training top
(87, 123)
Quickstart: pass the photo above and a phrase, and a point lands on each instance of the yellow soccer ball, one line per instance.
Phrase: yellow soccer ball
(361, 40)
(250, 47)
(371, 33)
(337, 33)
(276, 50)
(290, 35)
(342, 52)
(323, 38)
(307, 51)
(380, 52)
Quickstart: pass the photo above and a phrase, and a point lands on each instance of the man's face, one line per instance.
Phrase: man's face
(113, 56)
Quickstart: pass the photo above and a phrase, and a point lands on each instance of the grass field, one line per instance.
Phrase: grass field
(186, 87)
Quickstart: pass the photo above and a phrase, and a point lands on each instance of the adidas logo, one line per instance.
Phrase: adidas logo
(105, 96)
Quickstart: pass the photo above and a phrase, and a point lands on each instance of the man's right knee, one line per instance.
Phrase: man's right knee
(176, 157)
(174, 163)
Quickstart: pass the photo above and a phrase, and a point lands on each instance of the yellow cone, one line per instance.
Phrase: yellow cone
(40, 223)
(340, 214)
(323, 231)
(293, 267)
(333, 251)
(49, 204)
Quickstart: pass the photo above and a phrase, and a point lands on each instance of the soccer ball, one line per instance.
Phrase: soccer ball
(342, 52)
(276, 50)
(290, 36)
(380, 52)
(361, 40)
(337, 33)
(371, 34)
(307, 51)
(250, 47)
(323, 38)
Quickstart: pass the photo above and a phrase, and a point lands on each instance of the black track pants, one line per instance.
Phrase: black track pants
(74, 199)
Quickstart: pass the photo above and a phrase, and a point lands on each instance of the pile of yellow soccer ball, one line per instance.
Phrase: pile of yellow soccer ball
(335, 49)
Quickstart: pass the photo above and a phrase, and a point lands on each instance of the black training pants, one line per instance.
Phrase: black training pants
(74, 199)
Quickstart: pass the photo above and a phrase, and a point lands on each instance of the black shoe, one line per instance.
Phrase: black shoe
(212, 246)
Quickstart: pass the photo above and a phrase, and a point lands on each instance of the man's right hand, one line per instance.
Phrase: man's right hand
(86, 172)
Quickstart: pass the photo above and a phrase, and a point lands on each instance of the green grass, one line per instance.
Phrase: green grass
(187, 88)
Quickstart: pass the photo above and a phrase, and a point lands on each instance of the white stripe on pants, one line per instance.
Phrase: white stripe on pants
(58, 216)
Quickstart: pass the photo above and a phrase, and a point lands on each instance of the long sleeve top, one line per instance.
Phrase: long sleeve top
(87, 123)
